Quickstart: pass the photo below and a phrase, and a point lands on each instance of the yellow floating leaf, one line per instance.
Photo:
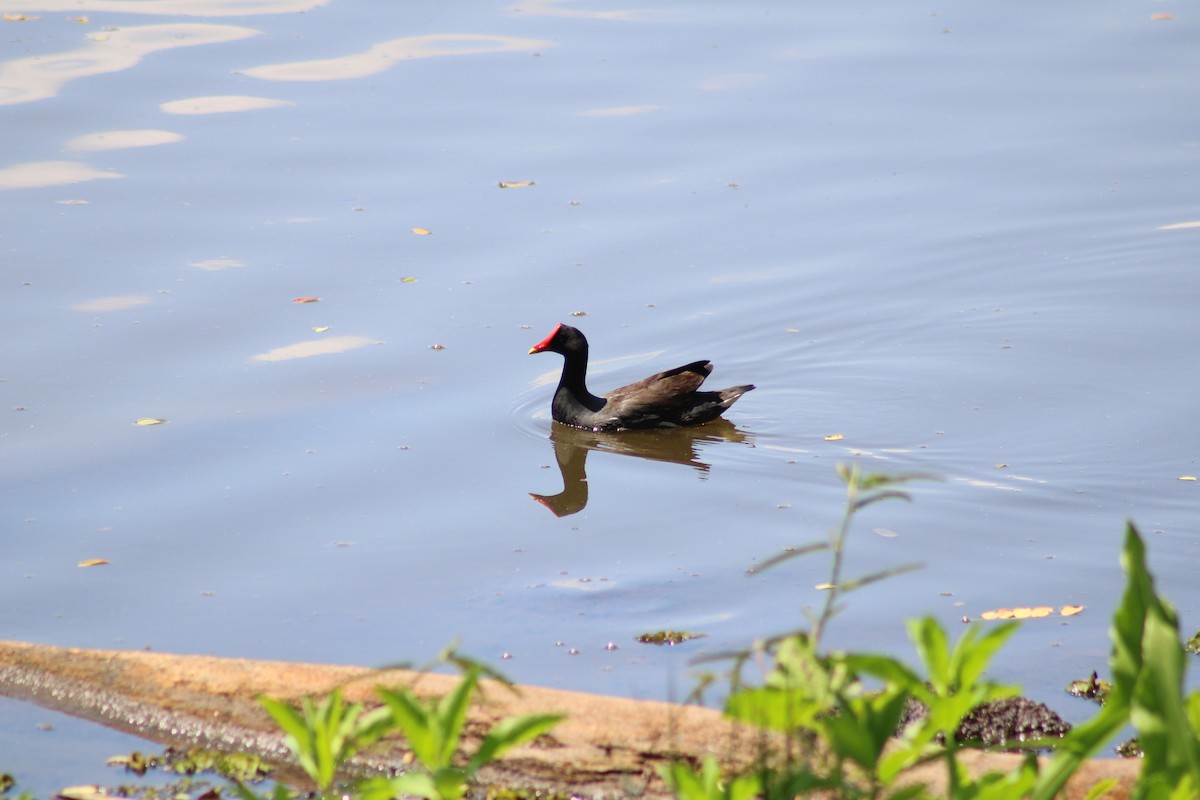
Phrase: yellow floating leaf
(320, 329)
(1001, 466)
(1023, 612)
(84, 793)
(81, 20)
(306, 299)
(92, 562)
(823, 587)
(515, 184)
(834, 437)
(408, 279)
(422, 231)
(1187, 477)
(989, 615)
(149, 421)
(19, 17)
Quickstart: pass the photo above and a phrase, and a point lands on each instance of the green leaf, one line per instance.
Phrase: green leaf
(864, 727)
(708, 783)
(1101, 788)
(933, 649)
(784, 710)
(409, 784)
(1126, 662)
(451, 716)
(415, 722)
(509, 733)
(787, 555)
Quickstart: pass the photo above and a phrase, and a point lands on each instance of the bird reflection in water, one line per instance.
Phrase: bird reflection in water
(678, 446)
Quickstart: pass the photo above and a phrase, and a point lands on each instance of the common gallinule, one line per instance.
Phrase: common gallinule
(666, 400)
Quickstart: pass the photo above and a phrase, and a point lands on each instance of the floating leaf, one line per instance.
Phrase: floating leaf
(1162, 15)
(84, 793)
(149, 421)
(1187, 477)
(1179, 226)
(515, 184)
(1030, 613)
(19, 17)
(306, 299)
(422, 231)
(320, 329)
(834, 437)
(408, 279)
(92, 562)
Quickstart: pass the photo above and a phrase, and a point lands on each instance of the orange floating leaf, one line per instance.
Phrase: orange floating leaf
(422, 231)
(92, 562)
(1070, 611)
(306, 299)
(1162, 15)
(515, 184)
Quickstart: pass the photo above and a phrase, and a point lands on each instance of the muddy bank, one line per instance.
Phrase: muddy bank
(606, 747)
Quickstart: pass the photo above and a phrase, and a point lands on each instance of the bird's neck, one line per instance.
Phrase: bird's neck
(574, 379)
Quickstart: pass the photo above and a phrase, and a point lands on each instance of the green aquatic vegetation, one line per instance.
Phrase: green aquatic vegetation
(1148, 663)
(434, 730)
(324, 735)
(840, 736)
(668, 637)
(1094, 689)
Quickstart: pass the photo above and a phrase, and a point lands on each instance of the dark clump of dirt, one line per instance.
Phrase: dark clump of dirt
(1011, 722)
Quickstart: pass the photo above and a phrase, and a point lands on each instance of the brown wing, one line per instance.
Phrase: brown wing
(666, 390)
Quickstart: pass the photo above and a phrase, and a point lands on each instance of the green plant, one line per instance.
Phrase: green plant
(812, 697)
(839, 713)
(1148, 664)
(324, 735)
(434, 731)
(707, 783)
